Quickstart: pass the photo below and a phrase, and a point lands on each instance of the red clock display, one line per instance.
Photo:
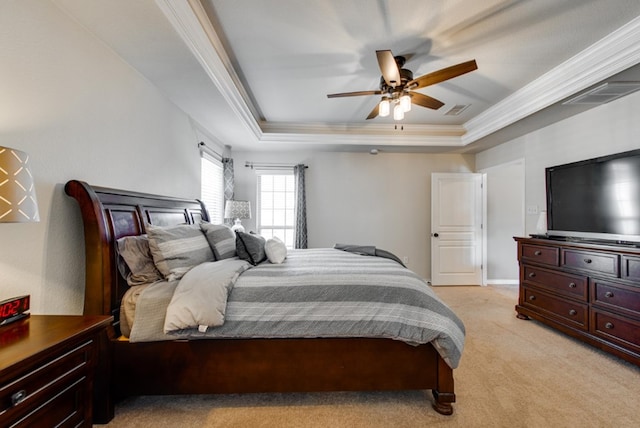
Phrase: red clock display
(13, 309)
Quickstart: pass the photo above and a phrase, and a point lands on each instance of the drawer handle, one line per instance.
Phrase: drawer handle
(532, 297)
(608, 325)
(573, 312)
(18, 397)
(587, 261)
(532, 275)
(608, 294)
(572, 285)
(538, 253)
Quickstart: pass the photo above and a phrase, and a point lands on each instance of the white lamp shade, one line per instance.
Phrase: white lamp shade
(398, 112)
(17, 191)
(405, 102)
(383, 109)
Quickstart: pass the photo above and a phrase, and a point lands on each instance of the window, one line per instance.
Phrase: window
(212, 188)
(276, 206)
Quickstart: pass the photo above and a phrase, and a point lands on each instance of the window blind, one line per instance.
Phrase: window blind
(212, 187)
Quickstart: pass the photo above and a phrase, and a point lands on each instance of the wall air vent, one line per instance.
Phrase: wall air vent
(604, 93)
(457, 109)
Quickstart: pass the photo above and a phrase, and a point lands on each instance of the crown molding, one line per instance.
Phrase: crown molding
(192, 24)
(610, 55)
(353, 139)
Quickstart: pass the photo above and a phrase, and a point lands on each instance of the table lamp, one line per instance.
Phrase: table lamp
(17, 205)
(237, 210)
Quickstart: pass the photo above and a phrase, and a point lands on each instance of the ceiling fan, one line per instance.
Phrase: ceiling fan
(397, 85)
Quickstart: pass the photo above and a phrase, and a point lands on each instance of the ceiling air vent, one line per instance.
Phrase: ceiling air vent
(457, 109)
(604, 93)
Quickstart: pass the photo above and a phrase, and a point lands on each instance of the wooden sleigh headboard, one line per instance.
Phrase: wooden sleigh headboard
(109, 214)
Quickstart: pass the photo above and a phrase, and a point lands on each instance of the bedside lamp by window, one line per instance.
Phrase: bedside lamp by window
(237, 210)
(17, 191)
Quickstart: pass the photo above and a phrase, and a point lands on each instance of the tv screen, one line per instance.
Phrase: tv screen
(596, 198)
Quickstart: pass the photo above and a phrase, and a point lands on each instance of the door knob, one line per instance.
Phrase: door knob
(435, 235)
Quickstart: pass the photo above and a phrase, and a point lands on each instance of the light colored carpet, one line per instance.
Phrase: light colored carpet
(513, 373)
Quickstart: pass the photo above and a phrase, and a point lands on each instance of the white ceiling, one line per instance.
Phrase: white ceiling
(255, 73)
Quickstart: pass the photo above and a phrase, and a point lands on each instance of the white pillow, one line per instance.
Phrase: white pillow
(276, 250)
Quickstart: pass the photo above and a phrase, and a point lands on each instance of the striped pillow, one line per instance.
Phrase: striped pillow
(221, 239)
(177, 249)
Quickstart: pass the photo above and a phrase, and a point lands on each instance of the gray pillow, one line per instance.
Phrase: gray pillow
(135, 252)
(221, 239)
(177, 249)
(250, 247)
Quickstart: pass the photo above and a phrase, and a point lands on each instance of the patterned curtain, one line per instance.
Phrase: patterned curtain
(301, 207)
(227, 173)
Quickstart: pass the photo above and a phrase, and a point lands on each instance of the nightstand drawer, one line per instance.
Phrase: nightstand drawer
(570, 313)
(605, 263)
(557, 282)
(46, 383)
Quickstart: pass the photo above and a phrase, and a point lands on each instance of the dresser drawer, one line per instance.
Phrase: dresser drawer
(23, 396)
(540, 254)
(568, 312)
(631, 268)
(561, 283)
(616, 297)
(618, 329)
(592, 261)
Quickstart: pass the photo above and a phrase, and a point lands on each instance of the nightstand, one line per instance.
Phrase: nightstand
(47, 365)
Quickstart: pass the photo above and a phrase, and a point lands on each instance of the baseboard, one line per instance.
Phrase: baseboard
(502, 282)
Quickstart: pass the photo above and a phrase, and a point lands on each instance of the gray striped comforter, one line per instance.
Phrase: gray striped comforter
(322, 293)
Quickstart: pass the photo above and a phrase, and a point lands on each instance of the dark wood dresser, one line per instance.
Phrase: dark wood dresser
(47, 365)
(589, 291)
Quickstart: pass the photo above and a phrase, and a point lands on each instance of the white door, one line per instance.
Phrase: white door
(456, 229)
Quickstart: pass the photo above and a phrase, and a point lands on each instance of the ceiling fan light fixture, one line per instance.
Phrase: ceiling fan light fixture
(405, 102)
(384, 108)
(398, 112)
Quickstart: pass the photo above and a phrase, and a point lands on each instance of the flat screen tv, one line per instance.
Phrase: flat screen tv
(595, 199)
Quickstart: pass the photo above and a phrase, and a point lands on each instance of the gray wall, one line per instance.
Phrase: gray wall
(504, 220)
(81, 113)
(358, 198)
(606, 129)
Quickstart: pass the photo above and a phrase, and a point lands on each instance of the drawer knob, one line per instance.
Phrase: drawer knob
(587, 261)
(18, 397)
(538, 253)
(532, 275)
(572, 285)
(608, 325)
(532, 297)
(573, 312)
(608, 294)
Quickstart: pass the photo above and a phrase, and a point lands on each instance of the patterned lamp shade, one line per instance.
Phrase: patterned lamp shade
(17, 192)
(237, 209)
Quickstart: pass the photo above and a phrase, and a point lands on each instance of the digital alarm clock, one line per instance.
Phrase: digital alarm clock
(14, 309)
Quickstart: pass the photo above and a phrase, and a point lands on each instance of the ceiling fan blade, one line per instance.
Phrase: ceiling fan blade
(389, 68)
(374, 112)
(425, 101)
(443, 74)
(354, 94)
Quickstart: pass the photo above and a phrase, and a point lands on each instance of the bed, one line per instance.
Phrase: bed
(225, 365)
